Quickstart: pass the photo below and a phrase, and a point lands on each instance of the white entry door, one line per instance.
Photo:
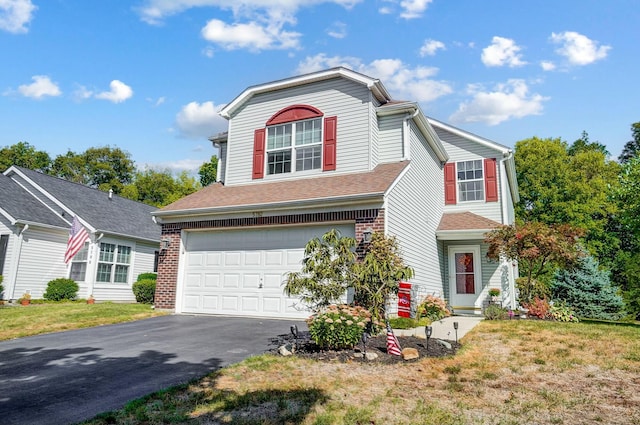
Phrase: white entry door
(241, 271)
(465, 277)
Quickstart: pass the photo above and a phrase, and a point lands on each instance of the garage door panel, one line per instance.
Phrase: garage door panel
(253, 258)
(232, 258)
(241, 271)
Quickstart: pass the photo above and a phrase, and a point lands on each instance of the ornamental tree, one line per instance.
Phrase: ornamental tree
(378, 275)
(539, 250)
(327, 270)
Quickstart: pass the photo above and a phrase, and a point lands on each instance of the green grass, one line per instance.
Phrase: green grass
(20, 321)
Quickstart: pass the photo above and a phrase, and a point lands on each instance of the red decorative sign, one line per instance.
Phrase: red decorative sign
(404, 300)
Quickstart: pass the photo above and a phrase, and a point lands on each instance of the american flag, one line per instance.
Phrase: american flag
(77, 237)
(393, 347)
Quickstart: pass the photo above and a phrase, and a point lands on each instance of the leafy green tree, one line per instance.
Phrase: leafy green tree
(632, 147)
(208, 171)
(587, 290)
(103, 168)
(559, 184)
(160, 188)
(24, 155)
(327, 271)
(378, 275)
(584, 145)
(539, 249)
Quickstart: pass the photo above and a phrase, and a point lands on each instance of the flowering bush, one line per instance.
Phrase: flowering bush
(494, 292)
(433, 308)
(562, 313)
(339, 326)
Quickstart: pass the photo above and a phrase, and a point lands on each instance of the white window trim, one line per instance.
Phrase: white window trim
(114, 263)
(293, 147)
(481, 180)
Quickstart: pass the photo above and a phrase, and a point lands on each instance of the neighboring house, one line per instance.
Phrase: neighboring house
(36, 211)
(333, 150)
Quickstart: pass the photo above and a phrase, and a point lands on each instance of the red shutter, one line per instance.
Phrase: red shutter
(329, 145)
(258, 153)
(490, 180)
(450, 183)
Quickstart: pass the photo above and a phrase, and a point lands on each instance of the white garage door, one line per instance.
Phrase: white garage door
(240, 272)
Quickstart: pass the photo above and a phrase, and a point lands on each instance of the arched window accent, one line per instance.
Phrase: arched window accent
(294, 113)
(295, 139)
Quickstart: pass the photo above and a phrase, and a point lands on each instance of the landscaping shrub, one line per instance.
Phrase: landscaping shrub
(530, 289)
(61, 289)
(434, 308)
(588, 291)
(403, 323)
(145, 291)
(339, 326)
(539, 308)
(562, 313)
(145, 276)
(495, 312)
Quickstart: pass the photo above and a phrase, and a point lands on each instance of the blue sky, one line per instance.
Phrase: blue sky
(149, 76)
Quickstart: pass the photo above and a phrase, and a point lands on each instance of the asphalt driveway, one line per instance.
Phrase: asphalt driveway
(68, 377)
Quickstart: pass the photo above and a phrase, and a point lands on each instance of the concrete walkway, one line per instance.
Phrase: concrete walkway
(444, 329)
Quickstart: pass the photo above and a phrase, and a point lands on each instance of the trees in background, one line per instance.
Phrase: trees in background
(111, 168)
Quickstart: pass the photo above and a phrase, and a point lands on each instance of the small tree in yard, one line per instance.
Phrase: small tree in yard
(539, 249)
(588, 291)
(326, 270)
(378, 275)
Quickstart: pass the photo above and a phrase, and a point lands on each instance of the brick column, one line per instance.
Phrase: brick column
(168, 261)
(375, 223)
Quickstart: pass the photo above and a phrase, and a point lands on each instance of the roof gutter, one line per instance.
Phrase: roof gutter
(27, 224)
(273, 206)
(458, 235)
(121, 235)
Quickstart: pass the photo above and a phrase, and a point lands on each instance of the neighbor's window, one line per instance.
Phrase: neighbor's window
(298, 141)
(113, 263)
(470, 181)
(79, 264)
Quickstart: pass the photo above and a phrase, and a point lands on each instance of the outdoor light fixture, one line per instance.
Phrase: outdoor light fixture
(165, 243)
(366, 235)
(365, 337)
(455, 326)
(428, 330)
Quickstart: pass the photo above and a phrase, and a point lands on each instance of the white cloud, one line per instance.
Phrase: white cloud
(579, 49)
(251, 36)
(82, 93)
(413, 8)
(337, 30)
(178, 166)
(119, 92)
(200, 120)
(155, 11)
(414, 84)
(430, 47)
(502, 51)
(547, 65)
(42, 86)
(506, 101)
(15, 15)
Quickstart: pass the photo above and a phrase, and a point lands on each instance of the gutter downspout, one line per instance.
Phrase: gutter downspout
(16, 262)
(406, 133)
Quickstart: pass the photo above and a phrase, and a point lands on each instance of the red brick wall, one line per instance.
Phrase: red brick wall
(168, 260)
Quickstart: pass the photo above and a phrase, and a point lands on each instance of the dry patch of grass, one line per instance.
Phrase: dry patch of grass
(509, 372)
(19, 321)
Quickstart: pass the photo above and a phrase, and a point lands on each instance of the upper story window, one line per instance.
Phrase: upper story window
(470, 181)
(297, 138)
(299, 142)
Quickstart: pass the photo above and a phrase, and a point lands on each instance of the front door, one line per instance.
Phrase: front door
(465, 277)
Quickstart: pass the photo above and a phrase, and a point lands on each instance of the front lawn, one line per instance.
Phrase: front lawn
(19, 321)
(509, 372)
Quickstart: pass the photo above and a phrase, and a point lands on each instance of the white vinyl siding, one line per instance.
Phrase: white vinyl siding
(461, 149)
(374, 137)
(414, 208)
(145, 254)
(41, 260)
(345, 99)
(222, 163)
(390, 145)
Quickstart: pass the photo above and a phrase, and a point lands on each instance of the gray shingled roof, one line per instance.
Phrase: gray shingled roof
(18, 203)
(116, 215)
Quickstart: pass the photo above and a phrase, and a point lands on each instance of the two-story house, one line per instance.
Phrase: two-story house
(332, 149)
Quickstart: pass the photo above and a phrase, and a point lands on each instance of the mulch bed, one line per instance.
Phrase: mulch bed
(308, 349)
